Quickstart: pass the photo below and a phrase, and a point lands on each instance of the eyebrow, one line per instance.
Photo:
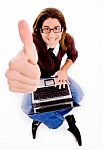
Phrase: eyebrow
(49, 26)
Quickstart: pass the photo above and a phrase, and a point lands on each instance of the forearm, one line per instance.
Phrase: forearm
(67, 65)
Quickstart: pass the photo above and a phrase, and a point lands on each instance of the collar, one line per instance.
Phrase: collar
(56, 49)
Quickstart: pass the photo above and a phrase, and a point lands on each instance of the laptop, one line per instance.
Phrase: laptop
(49, 97)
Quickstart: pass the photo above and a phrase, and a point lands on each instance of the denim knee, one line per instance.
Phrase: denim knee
(78, 96)
(27, 103)
(76, 91)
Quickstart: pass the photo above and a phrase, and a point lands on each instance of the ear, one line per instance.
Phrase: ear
(41, 31)
(62, 30)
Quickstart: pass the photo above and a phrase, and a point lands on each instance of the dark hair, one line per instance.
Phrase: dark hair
(50, 13)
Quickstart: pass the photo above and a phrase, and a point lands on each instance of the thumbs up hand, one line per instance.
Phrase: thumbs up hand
(23, 73)
(26, 38)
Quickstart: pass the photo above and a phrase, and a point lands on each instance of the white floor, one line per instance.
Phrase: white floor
(15, 127)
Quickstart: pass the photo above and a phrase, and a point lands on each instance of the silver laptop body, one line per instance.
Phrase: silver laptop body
(49, 97)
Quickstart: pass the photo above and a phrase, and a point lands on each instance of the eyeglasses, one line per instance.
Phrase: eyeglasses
(47, 30)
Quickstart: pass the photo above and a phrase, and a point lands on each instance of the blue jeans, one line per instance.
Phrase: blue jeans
(52, 119)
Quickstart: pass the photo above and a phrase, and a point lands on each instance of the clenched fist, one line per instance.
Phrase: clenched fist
(23, 74)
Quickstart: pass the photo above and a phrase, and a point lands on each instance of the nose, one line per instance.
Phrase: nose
(51, 34)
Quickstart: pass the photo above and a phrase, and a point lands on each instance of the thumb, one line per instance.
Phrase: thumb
(55, 74)
(26, 38)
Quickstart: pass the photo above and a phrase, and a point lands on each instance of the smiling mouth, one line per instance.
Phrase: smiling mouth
(52, 40)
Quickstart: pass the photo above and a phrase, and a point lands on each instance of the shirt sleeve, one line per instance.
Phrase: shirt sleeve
(72, 53)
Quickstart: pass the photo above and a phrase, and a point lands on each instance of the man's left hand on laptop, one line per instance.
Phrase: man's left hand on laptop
(61, 78)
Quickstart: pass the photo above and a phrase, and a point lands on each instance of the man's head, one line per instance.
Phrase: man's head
(50, 24)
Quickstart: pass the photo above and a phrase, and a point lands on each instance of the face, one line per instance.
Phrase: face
(53, 36)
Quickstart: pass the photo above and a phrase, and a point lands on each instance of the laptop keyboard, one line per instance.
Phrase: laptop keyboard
(50, 92)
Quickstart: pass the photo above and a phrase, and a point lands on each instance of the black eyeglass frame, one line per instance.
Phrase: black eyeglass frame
(49, 30)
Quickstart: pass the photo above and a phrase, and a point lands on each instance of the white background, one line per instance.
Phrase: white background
(85, 22)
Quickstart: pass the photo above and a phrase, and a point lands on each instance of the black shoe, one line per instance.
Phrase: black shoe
(35, 125)
(73, 128)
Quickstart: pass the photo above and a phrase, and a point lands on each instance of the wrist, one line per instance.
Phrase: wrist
(64, 69)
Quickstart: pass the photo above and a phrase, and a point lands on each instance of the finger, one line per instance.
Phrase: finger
(54, 75)
(14, 75)
(56, 81)
(63, 85)
(64, 82)
(26, 38)
(68, 82)
(60, 84)
(18, 90)
(18, 85)
(25, 68)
